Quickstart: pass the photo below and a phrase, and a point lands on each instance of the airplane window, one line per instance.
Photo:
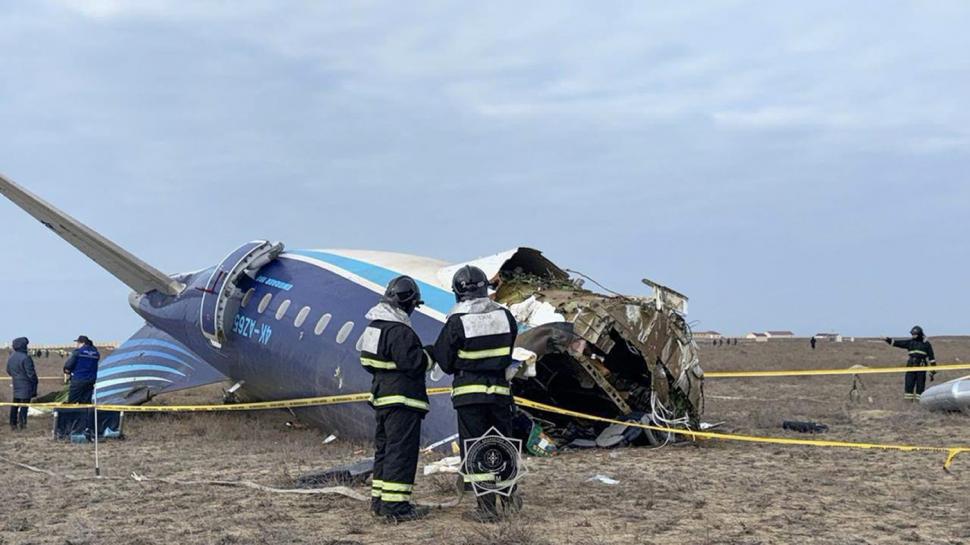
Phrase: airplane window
(264, 302)
(322, 324)
(280, 312)
(248, 297)
(301, 317)
(344, 332)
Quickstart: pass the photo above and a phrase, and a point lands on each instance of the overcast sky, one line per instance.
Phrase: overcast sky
(787, 165)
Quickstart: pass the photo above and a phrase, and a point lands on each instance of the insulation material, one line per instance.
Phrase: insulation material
(532, 313)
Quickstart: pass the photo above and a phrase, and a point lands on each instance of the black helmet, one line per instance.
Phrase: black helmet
(469, 283)
(403, 292)
(917, 332)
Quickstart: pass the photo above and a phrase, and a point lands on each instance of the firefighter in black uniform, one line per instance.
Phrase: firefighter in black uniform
(920, 354)
(475, 346)
(392, 352)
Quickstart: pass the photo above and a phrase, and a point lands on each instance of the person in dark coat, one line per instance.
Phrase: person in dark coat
(920, 355)
(475, 346)
(82, 369)
(391, 351)
(20, 367)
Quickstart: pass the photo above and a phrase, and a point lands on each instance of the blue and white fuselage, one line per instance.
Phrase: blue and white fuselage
(294, 335)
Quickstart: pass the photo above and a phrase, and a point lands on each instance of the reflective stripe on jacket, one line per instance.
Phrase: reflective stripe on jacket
(392, 352)
(475, 346)
(920, 351)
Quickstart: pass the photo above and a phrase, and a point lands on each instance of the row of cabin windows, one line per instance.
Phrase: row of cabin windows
(301, 316)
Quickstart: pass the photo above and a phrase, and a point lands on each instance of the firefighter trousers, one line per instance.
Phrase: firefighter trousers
(915, 383)
(396, 443)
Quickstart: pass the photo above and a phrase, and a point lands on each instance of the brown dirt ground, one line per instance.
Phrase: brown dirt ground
(715, 492)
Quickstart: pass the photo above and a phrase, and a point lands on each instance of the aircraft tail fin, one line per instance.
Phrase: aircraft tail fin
(134, 272)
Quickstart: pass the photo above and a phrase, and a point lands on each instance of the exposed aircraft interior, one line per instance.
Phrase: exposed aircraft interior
(613, 355)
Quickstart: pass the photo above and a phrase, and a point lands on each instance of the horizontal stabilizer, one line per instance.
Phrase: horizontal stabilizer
(134, 272)
(151, 362)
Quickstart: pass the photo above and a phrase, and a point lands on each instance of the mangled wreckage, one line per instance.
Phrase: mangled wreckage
(617, 356)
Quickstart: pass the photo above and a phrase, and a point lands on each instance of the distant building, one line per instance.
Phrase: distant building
(831, 337)
(708, 335)
(780, 334)
(757, 337)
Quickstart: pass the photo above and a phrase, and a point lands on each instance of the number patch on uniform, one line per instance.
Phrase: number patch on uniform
(482, 325)
(369, 340)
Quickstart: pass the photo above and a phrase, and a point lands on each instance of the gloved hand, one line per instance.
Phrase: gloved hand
(889, 340)
(67, 378)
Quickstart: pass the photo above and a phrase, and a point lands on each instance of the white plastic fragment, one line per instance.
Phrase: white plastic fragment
(330, 439)
(603, 479)
(450, 464)
(533, 313)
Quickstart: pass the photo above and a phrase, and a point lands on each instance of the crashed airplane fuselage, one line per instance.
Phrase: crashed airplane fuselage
(284, 324)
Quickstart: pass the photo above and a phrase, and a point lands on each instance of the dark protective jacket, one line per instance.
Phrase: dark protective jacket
(20, 367)
(83, 363)
(392, 352)
(920, 351)
(475, 346)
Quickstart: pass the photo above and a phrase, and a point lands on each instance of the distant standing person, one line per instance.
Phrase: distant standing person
(20, 367)
(82, 370)
(920, 354)
(812, 342)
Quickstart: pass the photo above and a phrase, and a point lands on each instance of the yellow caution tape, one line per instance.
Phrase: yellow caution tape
(951, 452)
(256, 406)
(847, 371)
(261, 405)
(783, 372)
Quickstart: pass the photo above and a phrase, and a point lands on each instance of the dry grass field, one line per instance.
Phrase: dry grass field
(713, 492)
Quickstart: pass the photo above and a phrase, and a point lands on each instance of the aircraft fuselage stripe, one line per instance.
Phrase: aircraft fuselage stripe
(117, 358)
(137, 367)
(131, 344)
(438, 302)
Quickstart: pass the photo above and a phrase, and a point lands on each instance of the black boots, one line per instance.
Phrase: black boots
(406, 512)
